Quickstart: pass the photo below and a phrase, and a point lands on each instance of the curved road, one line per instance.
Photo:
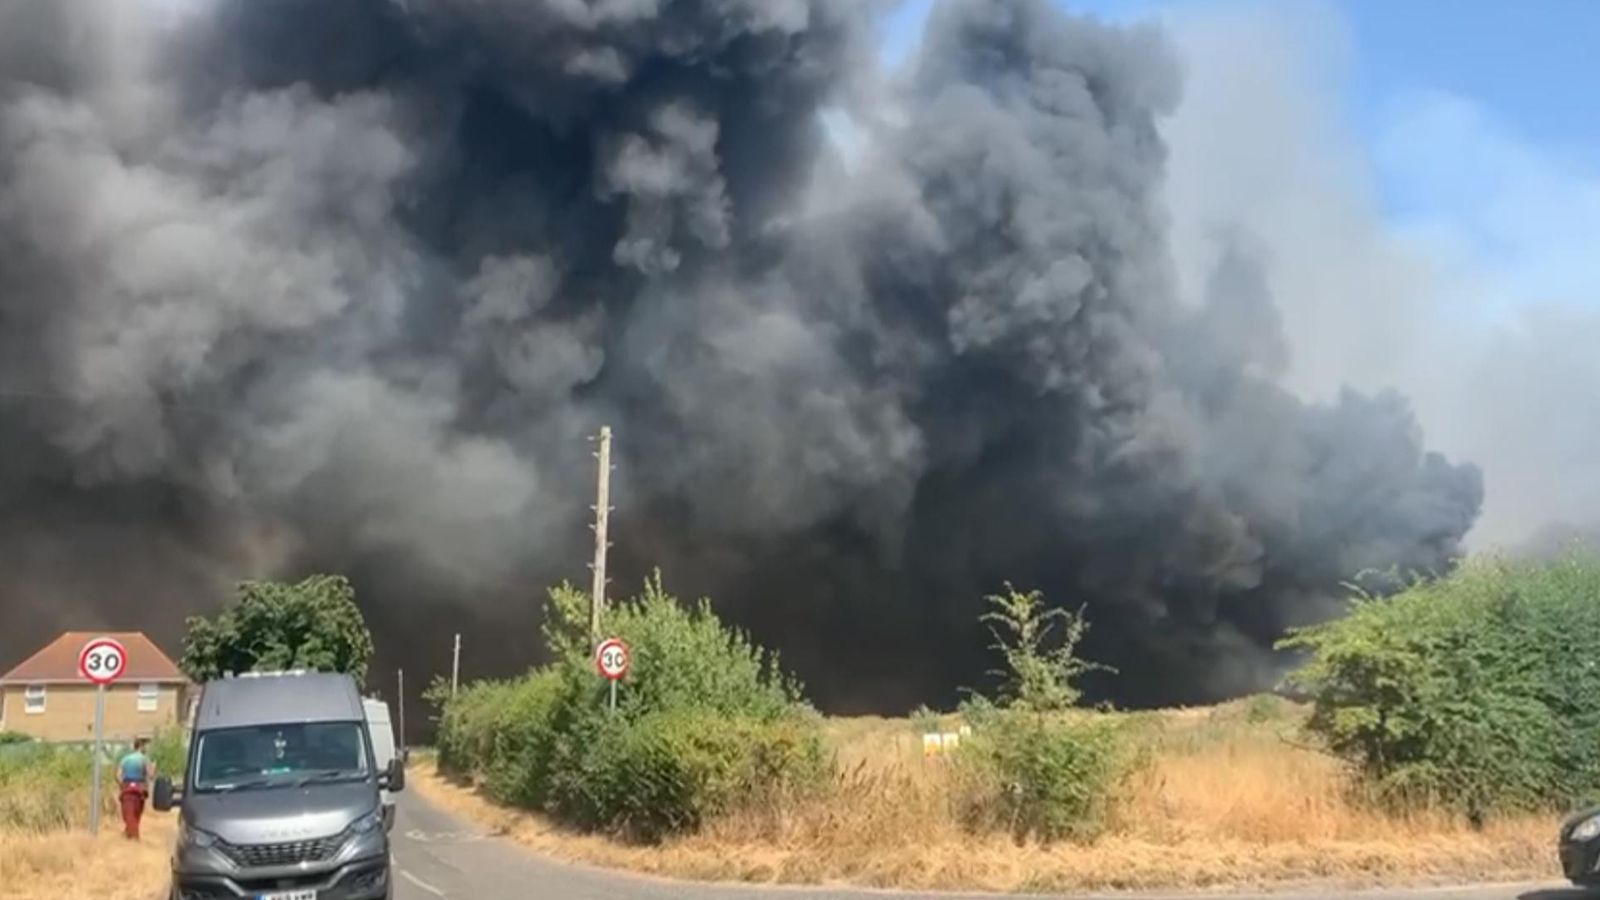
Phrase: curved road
(438, 856)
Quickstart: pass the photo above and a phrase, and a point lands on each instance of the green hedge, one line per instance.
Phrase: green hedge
(705, 721)
(1479, 691)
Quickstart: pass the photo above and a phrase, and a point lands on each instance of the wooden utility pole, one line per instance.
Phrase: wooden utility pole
(602, 511)
(400, 677)
(455, 666)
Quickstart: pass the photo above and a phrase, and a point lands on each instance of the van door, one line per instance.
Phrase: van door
(382, 734)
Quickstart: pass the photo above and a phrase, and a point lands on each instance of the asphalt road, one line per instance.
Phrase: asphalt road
(438, 856)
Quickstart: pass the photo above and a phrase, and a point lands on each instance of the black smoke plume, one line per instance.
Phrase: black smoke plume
(289, 285)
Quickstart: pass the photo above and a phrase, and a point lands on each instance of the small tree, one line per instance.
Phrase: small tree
(314, 624)
(1030, 771)
(1038, 677)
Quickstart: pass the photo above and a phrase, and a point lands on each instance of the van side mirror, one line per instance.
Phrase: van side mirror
(162, 796)
(394, 778)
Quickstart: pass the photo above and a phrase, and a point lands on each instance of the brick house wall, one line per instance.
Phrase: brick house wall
(69, 712)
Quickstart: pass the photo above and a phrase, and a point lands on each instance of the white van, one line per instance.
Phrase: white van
(383, 749)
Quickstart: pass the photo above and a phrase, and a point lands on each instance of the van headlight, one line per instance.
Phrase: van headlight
(367, 823)
(1587, 830)
(194, 837)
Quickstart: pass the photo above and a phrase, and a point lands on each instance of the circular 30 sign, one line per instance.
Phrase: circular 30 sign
(102, 660)
(611, 659)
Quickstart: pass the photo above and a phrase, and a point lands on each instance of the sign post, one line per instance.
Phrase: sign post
(611, 660)
(455, 666)
(101, 662)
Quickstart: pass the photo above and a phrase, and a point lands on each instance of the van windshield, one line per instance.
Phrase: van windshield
(267, 756)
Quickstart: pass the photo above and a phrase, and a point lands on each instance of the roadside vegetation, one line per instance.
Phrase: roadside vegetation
(1478, 693)
(45, 787)
(44, 812)
(706, 723)
(1444, 731)
(1440, 733)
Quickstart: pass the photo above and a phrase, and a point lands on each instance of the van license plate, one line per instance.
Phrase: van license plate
(290, 895)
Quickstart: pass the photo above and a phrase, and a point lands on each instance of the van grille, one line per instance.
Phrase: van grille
(292, 853)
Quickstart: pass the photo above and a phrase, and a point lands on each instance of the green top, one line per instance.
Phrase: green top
(134, 768)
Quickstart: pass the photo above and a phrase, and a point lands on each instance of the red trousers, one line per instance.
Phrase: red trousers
(132, 810)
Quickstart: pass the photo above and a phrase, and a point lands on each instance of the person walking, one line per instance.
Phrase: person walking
(134, 774)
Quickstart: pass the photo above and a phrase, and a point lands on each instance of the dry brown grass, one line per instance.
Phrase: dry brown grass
(1227, 799)
(51, 865)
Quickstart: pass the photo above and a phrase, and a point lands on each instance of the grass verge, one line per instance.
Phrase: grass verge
(51, 865)
(46, 852)
(1225, 800)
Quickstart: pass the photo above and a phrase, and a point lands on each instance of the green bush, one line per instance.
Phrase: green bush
(1479, 691)
(683, 657)
(1034, 766)
(704, 721)
(463, 732)
(522, 729)
(670, 772)
(169, 750)
(1043, 776)
(9, 738)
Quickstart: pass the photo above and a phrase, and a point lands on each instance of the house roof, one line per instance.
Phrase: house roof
(58, 660)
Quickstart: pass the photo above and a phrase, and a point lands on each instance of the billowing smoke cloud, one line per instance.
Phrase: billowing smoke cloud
(289, 285)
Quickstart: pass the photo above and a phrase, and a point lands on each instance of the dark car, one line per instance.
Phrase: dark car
(1580, 847)
(281, 798)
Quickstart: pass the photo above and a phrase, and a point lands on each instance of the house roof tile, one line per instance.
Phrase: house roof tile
(58, 660)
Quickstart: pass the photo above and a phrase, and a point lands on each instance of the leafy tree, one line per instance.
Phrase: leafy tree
(314, 624)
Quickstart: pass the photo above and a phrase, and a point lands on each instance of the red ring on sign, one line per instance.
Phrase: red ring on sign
(102, 644)
(600, 654)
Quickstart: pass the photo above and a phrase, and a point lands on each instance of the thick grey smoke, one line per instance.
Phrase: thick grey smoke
(287, 285)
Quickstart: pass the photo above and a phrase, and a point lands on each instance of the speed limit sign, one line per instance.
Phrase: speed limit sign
(102, 660)
(611, 658)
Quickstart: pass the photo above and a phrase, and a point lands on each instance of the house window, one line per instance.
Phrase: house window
(33, 699)
(148, 695)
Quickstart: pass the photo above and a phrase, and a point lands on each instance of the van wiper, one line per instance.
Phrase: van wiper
(326, 775)
(247, 784)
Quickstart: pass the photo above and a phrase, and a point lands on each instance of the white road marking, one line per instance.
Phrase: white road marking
(420, 883)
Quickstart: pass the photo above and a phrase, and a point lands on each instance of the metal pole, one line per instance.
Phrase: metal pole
(602, 510)
(99, 734)
(455, 666)
(400, 675)
(613, 695)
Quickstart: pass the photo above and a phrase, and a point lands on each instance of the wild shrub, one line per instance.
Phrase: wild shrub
(705, 720)
(668, 772)
(1033, 767)
(1478, 691)
(1042, 776)
(463, 733)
